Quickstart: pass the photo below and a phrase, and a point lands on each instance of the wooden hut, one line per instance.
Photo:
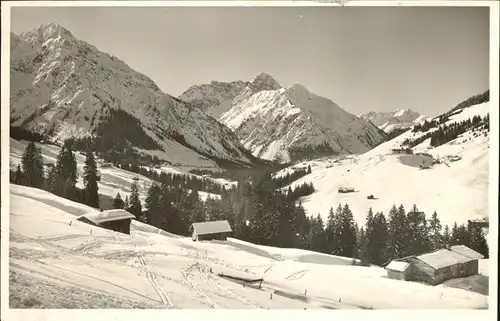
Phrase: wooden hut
(398, 270)
(214, 230)
(116, 220)
(436, 267)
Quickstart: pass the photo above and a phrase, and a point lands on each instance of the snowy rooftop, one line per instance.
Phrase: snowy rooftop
(203, 228)
(397, 266)
(443, 258)
(107, 216)
(465, 251)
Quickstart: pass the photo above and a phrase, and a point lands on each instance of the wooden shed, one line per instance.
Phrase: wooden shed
(116, 220)
(398, 270)
(444, 264)
(214, 230)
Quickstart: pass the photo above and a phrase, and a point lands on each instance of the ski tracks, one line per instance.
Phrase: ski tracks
(150, 275)
(202, 268)
(152, 280)
(220, 286)
(200, 291)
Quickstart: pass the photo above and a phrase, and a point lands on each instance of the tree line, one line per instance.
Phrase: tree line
(473, 100)
(448, 132)
(61, 178)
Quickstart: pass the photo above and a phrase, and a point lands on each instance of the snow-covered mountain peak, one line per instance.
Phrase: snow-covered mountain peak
(62, 86)
(47, 31)
(263, 82)
(391, 120)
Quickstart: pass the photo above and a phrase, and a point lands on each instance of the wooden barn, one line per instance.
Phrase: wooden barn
(479, 223)
(214, 230)
(436, 267)
(116, 220)
(398, 270)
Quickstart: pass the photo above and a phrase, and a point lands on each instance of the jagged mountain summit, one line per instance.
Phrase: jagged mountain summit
(63, 87)
(393, 120)
(287, 124)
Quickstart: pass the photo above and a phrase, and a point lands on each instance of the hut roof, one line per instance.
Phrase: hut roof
(465, 251)
(443, 258)
(398, 266)
(98, 217)
(203, 228)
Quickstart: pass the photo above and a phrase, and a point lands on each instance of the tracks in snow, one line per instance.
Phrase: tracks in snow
(197, 288)
(203, 268)
(152, 280)
(150, 275)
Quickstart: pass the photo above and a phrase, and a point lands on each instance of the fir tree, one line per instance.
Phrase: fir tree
(346, 233)
(377, 235)
(309, 169)
(118, 203)
(65, 175)
(135, 206)
(446, 236)
(32, 166)
(478, 241)
(18, 175)
(435, 232)
(91, 188)
(126, 203)
(154, 206)
(455, 235)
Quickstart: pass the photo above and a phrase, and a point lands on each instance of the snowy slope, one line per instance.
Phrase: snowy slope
(53, 264)
(397, 119)
(456, 190)
(113, 179)
(61, 87)
(286, 124)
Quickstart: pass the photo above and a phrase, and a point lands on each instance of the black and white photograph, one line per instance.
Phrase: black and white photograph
(307, 157)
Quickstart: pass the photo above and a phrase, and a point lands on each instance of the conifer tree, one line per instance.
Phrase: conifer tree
(18, 175)
(126, 203)
(478, 241)
(91, 189)
(118, 203)
(346, 233)
(455, 235)
(32, 166)
(398, 233)
(65, 175)
(446, 236)
(154, 206)
(135, 206)
(377, 236)
(435, 232)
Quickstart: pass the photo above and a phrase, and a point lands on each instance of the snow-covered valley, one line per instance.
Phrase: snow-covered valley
(58, 262)
(456, 190)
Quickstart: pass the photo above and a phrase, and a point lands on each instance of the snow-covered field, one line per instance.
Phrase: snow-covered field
(57, 264)
(458, 190)
(113, 179)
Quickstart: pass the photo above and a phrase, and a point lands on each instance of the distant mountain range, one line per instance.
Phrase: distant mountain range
(394, 120)
(284, 124)
(63, 87)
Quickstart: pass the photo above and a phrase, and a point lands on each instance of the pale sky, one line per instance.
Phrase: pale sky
(426, 59)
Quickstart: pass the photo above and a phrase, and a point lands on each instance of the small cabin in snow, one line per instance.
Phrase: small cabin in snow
(116, 220)
(436, 267)
(346, 189)
(214, 230)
